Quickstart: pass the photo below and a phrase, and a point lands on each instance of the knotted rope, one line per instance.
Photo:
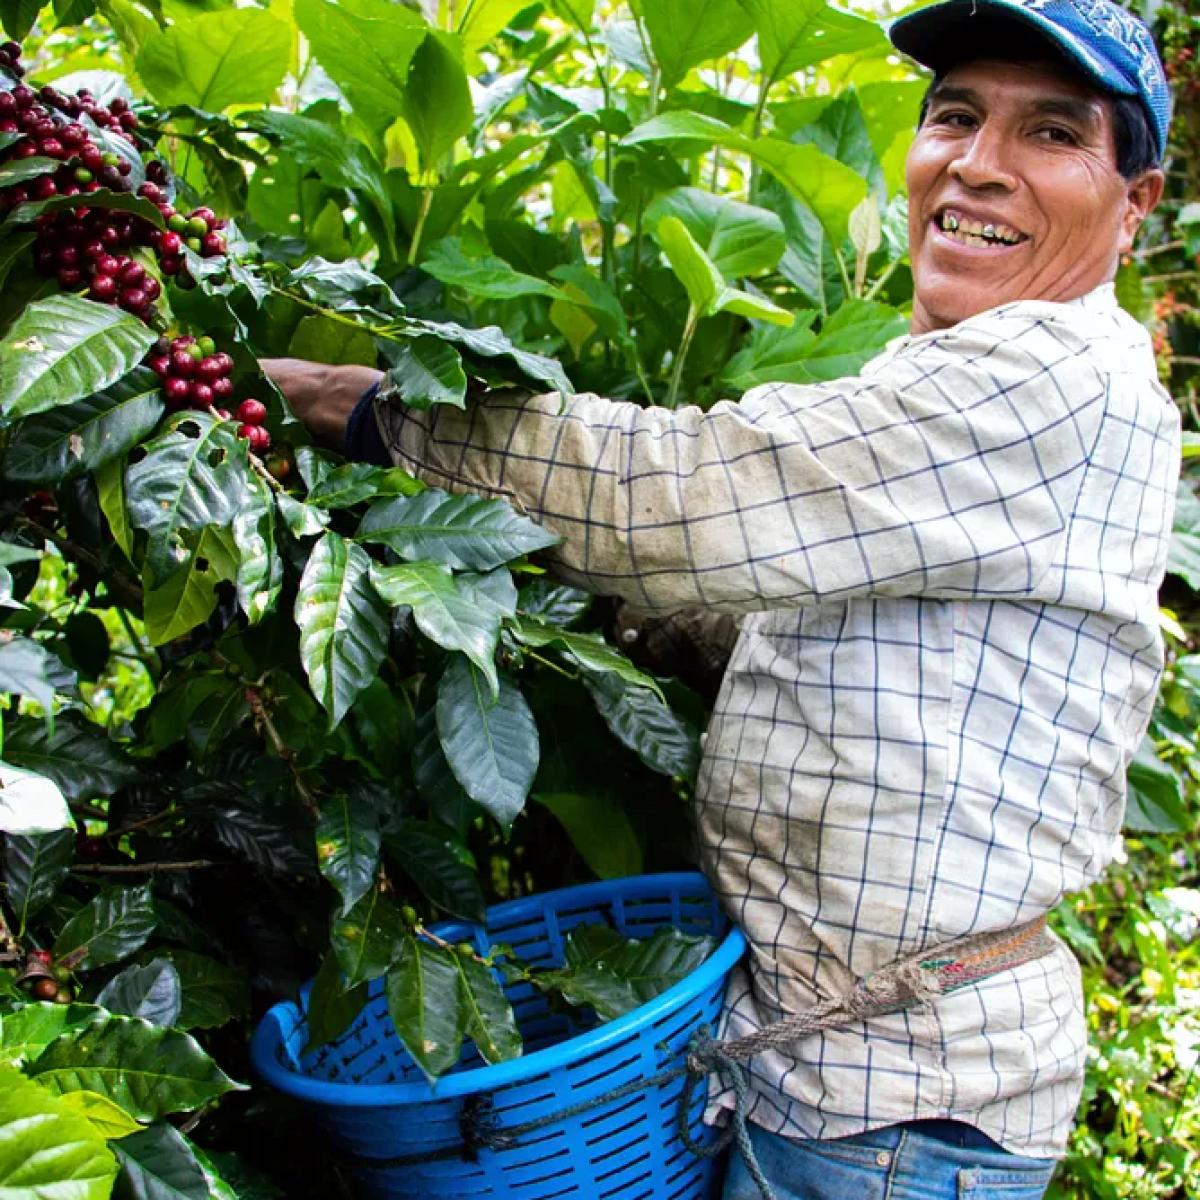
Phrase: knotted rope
(904, 984)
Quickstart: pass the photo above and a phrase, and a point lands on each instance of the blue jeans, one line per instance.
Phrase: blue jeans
(895, 1163)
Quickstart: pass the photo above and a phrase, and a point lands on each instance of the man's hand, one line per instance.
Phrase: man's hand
(323, 397)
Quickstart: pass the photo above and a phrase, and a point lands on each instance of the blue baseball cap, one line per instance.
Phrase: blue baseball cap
(1107, 43)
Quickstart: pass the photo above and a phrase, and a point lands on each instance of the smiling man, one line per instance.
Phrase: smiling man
(947, 567)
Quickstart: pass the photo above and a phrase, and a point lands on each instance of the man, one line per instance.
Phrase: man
(949, 565)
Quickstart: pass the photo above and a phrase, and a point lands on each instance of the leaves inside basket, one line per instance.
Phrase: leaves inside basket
(615, 974)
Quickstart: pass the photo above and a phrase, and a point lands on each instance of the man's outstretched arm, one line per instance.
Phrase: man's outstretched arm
(947, 469)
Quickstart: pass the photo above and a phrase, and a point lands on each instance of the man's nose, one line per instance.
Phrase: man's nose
(985, 160)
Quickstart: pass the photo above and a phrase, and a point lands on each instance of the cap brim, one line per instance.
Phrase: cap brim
(953, 31)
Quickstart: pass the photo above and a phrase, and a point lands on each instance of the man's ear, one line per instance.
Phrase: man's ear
(1142, 194)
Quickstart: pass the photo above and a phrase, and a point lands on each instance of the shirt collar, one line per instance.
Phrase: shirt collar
(1102, 299)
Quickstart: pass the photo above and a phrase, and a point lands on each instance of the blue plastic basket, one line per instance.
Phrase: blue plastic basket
(376, 1105)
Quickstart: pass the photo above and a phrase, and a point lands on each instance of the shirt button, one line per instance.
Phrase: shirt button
(884, 1158)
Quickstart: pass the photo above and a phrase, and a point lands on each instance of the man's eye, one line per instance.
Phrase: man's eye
(1058, 135)
(957, 120)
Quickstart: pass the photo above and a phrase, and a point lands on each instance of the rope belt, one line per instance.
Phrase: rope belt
(904, 984)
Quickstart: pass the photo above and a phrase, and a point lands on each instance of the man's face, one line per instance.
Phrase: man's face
(1014, 192)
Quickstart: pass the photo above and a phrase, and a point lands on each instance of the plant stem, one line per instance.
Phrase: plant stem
(415, 245)
(841, 262)
(689, 331)
(144, 868)
(262, 718)
(547, 662)
(877, 286)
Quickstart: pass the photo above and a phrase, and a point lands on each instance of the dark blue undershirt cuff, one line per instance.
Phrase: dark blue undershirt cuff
(363, 442)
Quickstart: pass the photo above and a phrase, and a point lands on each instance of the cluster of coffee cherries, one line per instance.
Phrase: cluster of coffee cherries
(195, 374)
(44, 979)
(198, 230)
(51, 127)
(96, 248)
(90, 247)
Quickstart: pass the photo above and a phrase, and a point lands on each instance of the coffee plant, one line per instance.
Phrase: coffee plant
(271, 715)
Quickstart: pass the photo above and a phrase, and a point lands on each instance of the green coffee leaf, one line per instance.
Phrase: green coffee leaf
(855, 333)
(440, 865)
(828, 187)
(367, 939)
(343, 624)
(490, 743)
(641, 721)
(27, 1031)
(64, 348)
(353, 482)
(425, 371)
(463, 532)
(489, 1019)
(437, 100)
(366, 46)
(109, 1120)
(158, 1164)
(193, 475)
(237, 56)
(686, 33)
(694, 269)
(211, 992)
(489, 341)
(1156, 801)
(615, 974)
(739, 239)
(23, 169)
(482, 275)
(45, 1148)
(152, 992)
(553, 604)
(448, 803)
(118, 921)
(484, 19)
(79, 756)
(149, 1071)
(81, 437)
(348, 847)
(587, 650)
(13, 247)
(34, 866)
(259, 569)
(187, 596)
(704, 284)
(600, 831)
(26, 214)
(794, 34)
(452, 618)
(339, 160)
(422, 991)
(18, 16)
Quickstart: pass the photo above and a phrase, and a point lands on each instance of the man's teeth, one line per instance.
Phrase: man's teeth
(976, 233)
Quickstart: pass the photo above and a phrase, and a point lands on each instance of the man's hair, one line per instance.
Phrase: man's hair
(1136, 150)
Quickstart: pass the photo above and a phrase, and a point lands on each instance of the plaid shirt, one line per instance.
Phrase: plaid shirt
(950, 564)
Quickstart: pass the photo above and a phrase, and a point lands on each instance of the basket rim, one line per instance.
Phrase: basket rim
(269, 1034)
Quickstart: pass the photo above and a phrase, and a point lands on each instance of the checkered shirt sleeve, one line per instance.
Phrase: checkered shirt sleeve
(949, 568)
(947, 471)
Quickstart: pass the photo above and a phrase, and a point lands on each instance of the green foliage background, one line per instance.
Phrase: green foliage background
(674, 200)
